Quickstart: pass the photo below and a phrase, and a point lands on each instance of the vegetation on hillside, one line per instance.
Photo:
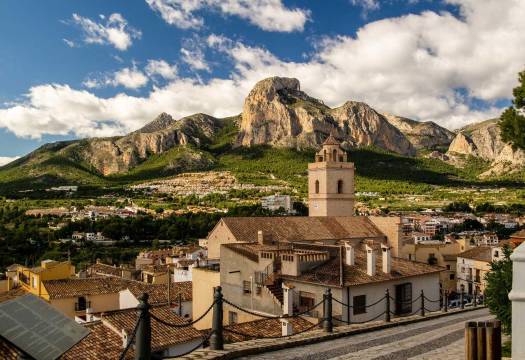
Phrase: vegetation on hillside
(512, 122)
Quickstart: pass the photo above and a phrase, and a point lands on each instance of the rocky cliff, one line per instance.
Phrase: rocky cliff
(421, 134)
(115, 155)
(278, 113)
(483, 140)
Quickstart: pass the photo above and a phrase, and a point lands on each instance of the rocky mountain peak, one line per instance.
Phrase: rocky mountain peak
(162, 121)
(269, 87)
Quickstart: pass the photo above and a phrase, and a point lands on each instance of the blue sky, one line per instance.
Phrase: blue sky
(71, 69)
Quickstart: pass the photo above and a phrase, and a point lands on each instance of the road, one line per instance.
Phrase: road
(440, 338)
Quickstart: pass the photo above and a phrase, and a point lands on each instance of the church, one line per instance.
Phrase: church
(276, 265)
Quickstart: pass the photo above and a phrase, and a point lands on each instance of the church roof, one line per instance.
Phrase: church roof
(331, 140)
(302, 228)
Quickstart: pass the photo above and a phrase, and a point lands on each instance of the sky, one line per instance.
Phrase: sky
(74, 69)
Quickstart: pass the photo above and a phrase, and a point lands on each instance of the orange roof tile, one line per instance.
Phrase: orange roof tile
(480, 253)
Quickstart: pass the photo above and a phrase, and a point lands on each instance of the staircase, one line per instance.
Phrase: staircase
(276, 289)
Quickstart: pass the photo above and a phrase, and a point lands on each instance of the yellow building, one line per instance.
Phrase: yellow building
(439, 253)
(31, 279)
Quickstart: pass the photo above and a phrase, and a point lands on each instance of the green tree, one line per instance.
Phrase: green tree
(512, 121)
(499, 284)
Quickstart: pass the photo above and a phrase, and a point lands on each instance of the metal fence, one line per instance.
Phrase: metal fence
(141, 335)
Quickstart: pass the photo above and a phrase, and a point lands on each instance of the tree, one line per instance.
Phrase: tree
(499, 284)
(512, 121)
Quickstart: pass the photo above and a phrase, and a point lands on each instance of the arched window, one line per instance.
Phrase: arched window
(340, 186)
(324, 157)
(334, 155)
(317, 186)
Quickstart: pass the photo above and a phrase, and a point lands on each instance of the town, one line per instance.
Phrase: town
(266, 267)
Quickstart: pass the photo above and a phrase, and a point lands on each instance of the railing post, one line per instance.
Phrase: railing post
(216, 338)
(143, 335)
(387, 307)
(471, 333)
(328, 325)
(481, 340)
(462, 299)
(422, 303)
(493, 340)
(445, 306)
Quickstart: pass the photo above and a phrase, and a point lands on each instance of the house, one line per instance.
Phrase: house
(32, 279)
(277, 202)
(254, 274)
(472, 265)
(420, 237)
(517, 238)
(180, 299)
(110, 330)
(156, 274)
(78, 297)
(124, 272)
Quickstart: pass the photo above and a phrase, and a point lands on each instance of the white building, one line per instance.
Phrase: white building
(276, 202)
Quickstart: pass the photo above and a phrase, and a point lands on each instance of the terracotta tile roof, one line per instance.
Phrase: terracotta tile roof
(162, 336)
(8, 351)
(102, 343)
(329, 272)
(480, 253)
(302, 228)
(519, 234)
(106, 269)
(261, 328)
(450, 257)
(12, 294)
(158, 293)
(74, 287)
(156, 269)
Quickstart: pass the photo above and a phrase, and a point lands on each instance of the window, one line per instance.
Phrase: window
(81, 304)
(448, 267)
(317, 186)
(340, 186)
(496, 253)
(403, 299)
(34, 282)
(232, 317)
(334, 155)
(410, 257)
(359, 304)
(246, 287)
(452, 276)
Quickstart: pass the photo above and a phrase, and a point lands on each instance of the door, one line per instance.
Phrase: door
(404, 299)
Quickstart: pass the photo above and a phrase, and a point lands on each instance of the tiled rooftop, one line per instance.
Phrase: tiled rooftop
(12, 294)
(74, 287)
(302, 228)
(102, 343)
(158, 293)
(263, 328)
(480, 253)
(162, 336)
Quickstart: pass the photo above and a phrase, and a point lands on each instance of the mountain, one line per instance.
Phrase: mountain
(483, 140)
(422, 135)
(276, 112)
(278, 120)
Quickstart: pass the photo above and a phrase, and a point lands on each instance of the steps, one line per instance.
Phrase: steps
(277, 290)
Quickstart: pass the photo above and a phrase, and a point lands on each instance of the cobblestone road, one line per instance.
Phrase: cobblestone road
(440, 338)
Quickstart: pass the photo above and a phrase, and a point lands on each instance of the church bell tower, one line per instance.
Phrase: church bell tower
(331, 182)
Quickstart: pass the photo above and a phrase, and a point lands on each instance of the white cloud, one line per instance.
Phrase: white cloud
(69, 43)
(410, 66)
(269, 15)
(161, 68)
(4, 160)
(367, 5)
(130, 78)
(115, 31)
(192, 54)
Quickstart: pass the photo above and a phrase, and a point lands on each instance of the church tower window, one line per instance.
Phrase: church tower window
(340, 186)
(317, 186)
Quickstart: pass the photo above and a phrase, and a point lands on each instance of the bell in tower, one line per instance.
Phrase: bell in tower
(331, 181)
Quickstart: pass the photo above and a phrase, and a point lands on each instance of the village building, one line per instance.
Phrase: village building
(473, 265)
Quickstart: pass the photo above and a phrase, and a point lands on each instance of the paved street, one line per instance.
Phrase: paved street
(439, 338)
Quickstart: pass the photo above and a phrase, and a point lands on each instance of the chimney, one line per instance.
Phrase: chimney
(370, 261)
(263, 238)
(287, 327)
(387, 258)
(124, 336)
(349, 255)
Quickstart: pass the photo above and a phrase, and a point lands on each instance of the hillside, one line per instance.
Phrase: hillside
(273, 138)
